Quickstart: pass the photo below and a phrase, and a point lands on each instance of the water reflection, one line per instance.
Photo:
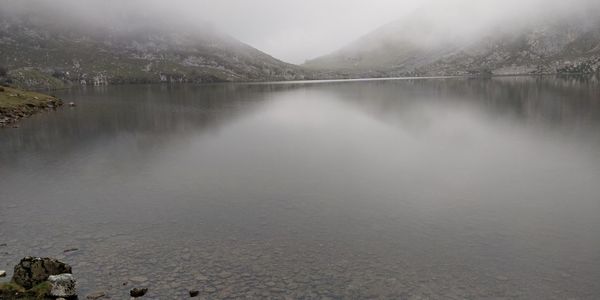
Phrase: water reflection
(457, 188)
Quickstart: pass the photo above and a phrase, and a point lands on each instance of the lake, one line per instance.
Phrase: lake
(446, 188)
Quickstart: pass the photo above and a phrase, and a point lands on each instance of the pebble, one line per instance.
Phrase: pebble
(95, 295)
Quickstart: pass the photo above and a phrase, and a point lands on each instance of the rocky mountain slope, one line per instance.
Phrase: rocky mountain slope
(412, 47)
(38, 51)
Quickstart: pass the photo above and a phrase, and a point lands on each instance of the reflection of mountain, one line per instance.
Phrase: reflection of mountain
(560, 102)
(149, 114)
(154, 114)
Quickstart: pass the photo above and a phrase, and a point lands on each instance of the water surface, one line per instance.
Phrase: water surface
(406, 189)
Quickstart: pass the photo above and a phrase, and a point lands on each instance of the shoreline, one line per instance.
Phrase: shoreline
(17, 104)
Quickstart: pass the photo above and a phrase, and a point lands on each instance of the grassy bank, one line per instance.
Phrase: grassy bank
(16, 104)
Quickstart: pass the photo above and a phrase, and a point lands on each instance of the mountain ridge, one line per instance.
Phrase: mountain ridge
(411, 47)
(139, 52)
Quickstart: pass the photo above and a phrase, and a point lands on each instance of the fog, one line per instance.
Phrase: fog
(295, 31)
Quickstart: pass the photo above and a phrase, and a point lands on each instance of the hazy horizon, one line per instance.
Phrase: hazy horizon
(298, 31)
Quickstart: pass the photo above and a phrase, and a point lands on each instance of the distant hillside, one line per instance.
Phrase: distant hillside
(412, 47)
(38, 52)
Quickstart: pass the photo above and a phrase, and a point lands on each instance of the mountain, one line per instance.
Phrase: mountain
(39, 51)
(417, 46)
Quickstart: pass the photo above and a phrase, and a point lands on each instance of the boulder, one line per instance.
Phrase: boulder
(63, 285)
(32, 271)
(136, 292)
(2, 273)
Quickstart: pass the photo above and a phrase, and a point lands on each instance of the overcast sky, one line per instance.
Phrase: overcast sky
(297, 30)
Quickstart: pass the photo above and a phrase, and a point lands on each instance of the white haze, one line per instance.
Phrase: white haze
(295, 31)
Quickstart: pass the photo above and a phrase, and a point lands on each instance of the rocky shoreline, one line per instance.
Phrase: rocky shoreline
(16, 104)
(48, 278)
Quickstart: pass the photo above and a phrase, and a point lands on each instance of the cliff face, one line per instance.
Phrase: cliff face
(411, 47)
(144, 53)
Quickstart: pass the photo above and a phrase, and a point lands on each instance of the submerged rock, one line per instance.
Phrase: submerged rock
(135, 292)
(63, 285)
(95, 295)
(32, 271)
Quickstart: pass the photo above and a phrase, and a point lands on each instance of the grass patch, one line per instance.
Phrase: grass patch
(11, 290)
(15, 98)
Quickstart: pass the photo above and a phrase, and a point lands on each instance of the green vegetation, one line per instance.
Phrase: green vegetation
(11, 290)
(16, 104)
(15, 98)
(29, 78)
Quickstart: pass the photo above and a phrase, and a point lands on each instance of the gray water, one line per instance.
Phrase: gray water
(401, 189)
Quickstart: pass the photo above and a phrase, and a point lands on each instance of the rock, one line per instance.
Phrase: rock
(96, 295)
(32, 271)
(2, 273)
(63, 285)
(135, 292)
(72, 104)
(194, 293)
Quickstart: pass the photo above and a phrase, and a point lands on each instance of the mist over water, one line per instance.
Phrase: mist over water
(457, 188)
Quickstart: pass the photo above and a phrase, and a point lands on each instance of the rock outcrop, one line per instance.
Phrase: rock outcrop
(32, 271)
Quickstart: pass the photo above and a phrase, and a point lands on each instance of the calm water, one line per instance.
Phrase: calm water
(404, 189)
